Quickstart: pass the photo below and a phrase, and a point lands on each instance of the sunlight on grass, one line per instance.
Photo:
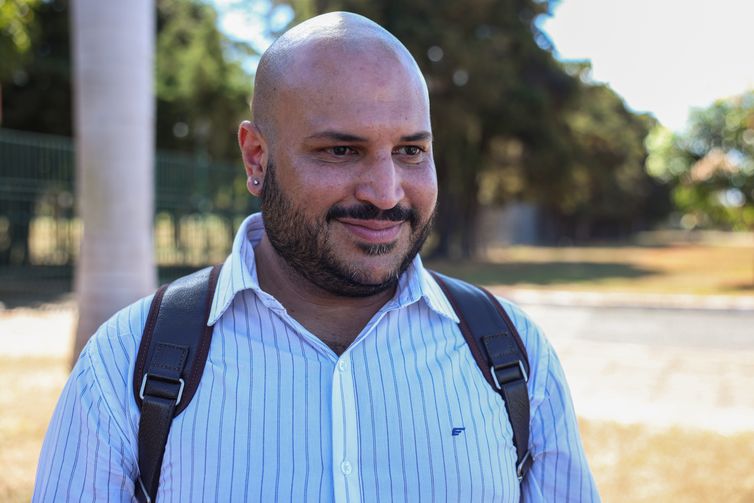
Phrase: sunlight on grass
(26, 407)
(638, 464)
(672, 269)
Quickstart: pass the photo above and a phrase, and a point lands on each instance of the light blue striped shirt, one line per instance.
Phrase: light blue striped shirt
(278, 416)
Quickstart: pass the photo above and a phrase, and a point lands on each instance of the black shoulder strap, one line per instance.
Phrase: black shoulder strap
(499, 352)
(169, 365)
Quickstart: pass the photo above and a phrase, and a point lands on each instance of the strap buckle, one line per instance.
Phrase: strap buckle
(178, 381)
(523, 466)
(523, 375)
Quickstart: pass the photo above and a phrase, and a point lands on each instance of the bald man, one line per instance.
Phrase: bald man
(337, 371)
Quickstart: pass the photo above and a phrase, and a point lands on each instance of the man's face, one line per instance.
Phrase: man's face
(350, 188)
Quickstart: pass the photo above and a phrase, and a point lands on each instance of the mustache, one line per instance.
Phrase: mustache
(369, 211)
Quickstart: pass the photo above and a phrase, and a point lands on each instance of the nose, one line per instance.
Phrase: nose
(380, 183)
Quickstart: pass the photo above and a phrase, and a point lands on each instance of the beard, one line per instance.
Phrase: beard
(306, 246)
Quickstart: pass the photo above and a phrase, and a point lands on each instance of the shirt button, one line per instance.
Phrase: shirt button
(342, 365)
(345, 467)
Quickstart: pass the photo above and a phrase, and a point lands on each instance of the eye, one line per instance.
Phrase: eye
(340, 151)
(411, 150)
(410, 153)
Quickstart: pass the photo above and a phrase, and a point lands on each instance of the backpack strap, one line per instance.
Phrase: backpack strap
(169, 365)
(499, 352)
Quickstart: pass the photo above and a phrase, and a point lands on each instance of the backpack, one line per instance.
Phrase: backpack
(176, 341)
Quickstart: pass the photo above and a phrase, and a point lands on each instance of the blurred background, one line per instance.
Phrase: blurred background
(595, 160)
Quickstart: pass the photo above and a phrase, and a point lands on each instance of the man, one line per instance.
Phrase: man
(337, 371)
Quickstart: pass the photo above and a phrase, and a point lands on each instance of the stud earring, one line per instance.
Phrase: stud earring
(255, 181)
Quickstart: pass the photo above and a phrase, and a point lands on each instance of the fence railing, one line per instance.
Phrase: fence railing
(198, 204)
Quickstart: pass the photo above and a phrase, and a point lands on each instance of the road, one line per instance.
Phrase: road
(664, 367)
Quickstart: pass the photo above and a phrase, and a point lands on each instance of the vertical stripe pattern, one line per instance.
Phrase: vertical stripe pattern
(403, 415)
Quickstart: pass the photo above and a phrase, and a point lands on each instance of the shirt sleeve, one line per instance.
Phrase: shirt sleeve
(559, 472)
(89, 453)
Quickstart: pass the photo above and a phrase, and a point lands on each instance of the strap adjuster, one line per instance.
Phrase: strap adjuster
(519, 363)
(523, 466)
(178, 381)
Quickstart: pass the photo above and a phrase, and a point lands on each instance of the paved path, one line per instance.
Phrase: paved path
(692, 368)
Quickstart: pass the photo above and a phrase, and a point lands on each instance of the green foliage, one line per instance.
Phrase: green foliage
(37, 92)
(606, 185)
(200, 91)
(711, 164)
(17, 28)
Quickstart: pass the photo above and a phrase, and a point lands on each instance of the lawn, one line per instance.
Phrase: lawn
(674, 268)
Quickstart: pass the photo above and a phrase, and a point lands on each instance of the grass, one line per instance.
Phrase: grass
(26, 404)
(631, 463)
(700, 269)
(636, 464)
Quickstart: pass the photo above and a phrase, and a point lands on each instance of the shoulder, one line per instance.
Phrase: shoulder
(542, 358)
(116, 341)
(109, 359)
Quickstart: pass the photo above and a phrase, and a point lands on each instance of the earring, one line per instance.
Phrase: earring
(255, 181)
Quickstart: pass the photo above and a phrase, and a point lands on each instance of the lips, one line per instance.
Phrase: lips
(372, 231)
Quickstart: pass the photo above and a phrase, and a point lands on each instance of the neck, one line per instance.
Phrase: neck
(334, 319)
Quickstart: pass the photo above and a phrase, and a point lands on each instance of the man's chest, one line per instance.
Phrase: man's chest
(406, 419)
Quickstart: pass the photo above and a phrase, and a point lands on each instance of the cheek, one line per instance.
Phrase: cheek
(421, 190)
(318, 187)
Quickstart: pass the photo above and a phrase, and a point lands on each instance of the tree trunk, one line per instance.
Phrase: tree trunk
(113, 50)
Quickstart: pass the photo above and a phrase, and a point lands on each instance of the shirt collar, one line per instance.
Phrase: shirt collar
(239, 272)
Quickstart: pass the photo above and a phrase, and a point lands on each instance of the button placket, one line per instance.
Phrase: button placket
(345, 433)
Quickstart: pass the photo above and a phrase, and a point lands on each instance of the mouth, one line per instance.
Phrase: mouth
(372, 231)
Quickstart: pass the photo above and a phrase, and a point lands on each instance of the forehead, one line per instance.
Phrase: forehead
(358, 86)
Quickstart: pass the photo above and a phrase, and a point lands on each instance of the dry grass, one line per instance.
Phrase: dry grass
(630, 463)
(700, 269)
(32, 386)
(633, 463)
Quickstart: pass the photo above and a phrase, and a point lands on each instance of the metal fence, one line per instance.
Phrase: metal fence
(198, 204)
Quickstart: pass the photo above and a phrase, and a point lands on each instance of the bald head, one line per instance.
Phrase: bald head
(332, 45)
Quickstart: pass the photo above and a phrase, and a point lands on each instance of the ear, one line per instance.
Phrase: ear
(254, 152)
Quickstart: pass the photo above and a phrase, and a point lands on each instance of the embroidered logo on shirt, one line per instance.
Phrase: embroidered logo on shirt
(457, 431)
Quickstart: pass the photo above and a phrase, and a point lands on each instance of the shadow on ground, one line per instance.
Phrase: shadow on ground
(540, 273)
(745, 287)
(36, 286)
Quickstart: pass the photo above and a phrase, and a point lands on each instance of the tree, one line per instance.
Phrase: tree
(711, 164)
(200, 85)
(38, 92)
(604, 189)
(16, 30)
(113, 47)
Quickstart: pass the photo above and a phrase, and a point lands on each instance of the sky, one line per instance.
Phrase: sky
(661, 56)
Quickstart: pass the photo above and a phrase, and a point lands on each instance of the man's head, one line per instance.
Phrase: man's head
(341, 153)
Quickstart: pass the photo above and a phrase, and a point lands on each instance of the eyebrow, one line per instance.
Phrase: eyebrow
(346, 137)
(421, 136)
(336, 135)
